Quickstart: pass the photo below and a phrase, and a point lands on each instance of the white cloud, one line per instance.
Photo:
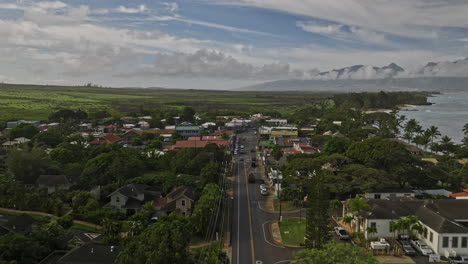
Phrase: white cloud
(415, 19)
(211, 64)
(129, 10)
(314, 27)
(171, 7)
(342, 32)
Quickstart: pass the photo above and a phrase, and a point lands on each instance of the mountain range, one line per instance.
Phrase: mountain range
(434, 76)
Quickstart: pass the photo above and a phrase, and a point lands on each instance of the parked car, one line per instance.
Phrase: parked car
(263, 186)
(341, 232)
(264, 192)
(407, 248)
(459, 260)
(251, 178)
(422, 247)
(261, 181)
(254, 164)
(241, 159)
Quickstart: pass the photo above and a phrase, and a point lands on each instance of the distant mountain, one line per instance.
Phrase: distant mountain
(361, 72)
(439, 84)
(434, 76)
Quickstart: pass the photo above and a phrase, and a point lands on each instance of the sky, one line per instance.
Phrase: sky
(222, 44)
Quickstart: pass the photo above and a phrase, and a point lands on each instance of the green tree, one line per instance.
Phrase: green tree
(142, 218)
(23, 130)
(50, 138)
(277, 152)
(205, 207)
(165, 242)
(188, 114)
(336, 145)
(335, 253)
(433, 133)
(111, 230)
(26, 165)
(318, 215)
(210, 173)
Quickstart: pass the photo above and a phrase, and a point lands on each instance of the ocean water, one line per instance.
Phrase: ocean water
(449, 113)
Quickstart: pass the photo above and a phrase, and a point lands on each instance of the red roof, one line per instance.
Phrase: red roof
(194, 138)
(291, 151)
(195, 144)
(109, 138)
(460, 194)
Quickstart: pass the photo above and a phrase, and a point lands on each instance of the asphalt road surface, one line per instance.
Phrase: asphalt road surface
(251, 239)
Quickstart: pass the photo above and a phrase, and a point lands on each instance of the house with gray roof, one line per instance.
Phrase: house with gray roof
(180, 200)
(21, 224)
(91, 253)
(131, 198)
(54, 183)
(444, 221)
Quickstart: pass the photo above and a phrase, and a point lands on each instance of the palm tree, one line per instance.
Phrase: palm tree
(371, 230)
(357, 206)
(446, 145)
(465, 129)
(433, 132)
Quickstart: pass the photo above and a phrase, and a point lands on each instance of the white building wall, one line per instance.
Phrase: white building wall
(382, 225)
(387, 195)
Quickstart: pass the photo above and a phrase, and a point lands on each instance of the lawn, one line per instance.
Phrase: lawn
(286, 206)
(37, 102)
(293, 231)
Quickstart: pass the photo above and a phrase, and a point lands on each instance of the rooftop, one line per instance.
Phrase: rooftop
(92, 253)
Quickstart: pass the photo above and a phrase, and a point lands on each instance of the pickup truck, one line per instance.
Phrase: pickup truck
(422, 247)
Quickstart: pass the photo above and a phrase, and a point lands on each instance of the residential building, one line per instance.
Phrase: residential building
(181, 144)
(444, 221)
(461, 195)
(13, 124)
(277, 122)
(106, 139)
(411, 148)
(180, 200)
(54, 183)
(131, 198)
(16, 142)
(189, 131)
(390, 193)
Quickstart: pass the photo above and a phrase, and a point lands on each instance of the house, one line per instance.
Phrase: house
(54, 183)
(21, 224)
(390, 193)
(92, 253)
(189, 131)
(130, 135)
(461, 195)
(16, 142)
(15, 123)
(131, 198)
(180, 200)
(207, 125)
(277, 122)
(106, 139)
(444, 221)
(412, 149)
(85, 127)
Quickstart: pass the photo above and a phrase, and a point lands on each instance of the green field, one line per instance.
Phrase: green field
(37, 102)
(293, 231)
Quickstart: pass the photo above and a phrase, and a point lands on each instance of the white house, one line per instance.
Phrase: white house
(389, 194)
(444, 221)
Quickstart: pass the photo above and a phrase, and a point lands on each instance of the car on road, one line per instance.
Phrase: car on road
(407, 248)
(235, 152)
(341, 232)
(264, 192)
(422, 247)
(254, 164)
(261, 181)
(241, 159)
(459, 260)
(251, 178)
(263, 186)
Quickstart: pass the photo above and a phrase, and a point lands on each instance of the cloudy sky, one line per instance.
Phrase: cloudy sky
(220, 43)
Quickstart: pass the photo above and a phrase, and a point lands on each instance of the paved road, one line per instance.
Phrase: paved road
(251, 238)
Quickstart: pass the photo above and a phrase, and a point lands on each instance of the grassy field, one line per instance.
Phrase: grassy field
(293, 231)
(37, 102)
